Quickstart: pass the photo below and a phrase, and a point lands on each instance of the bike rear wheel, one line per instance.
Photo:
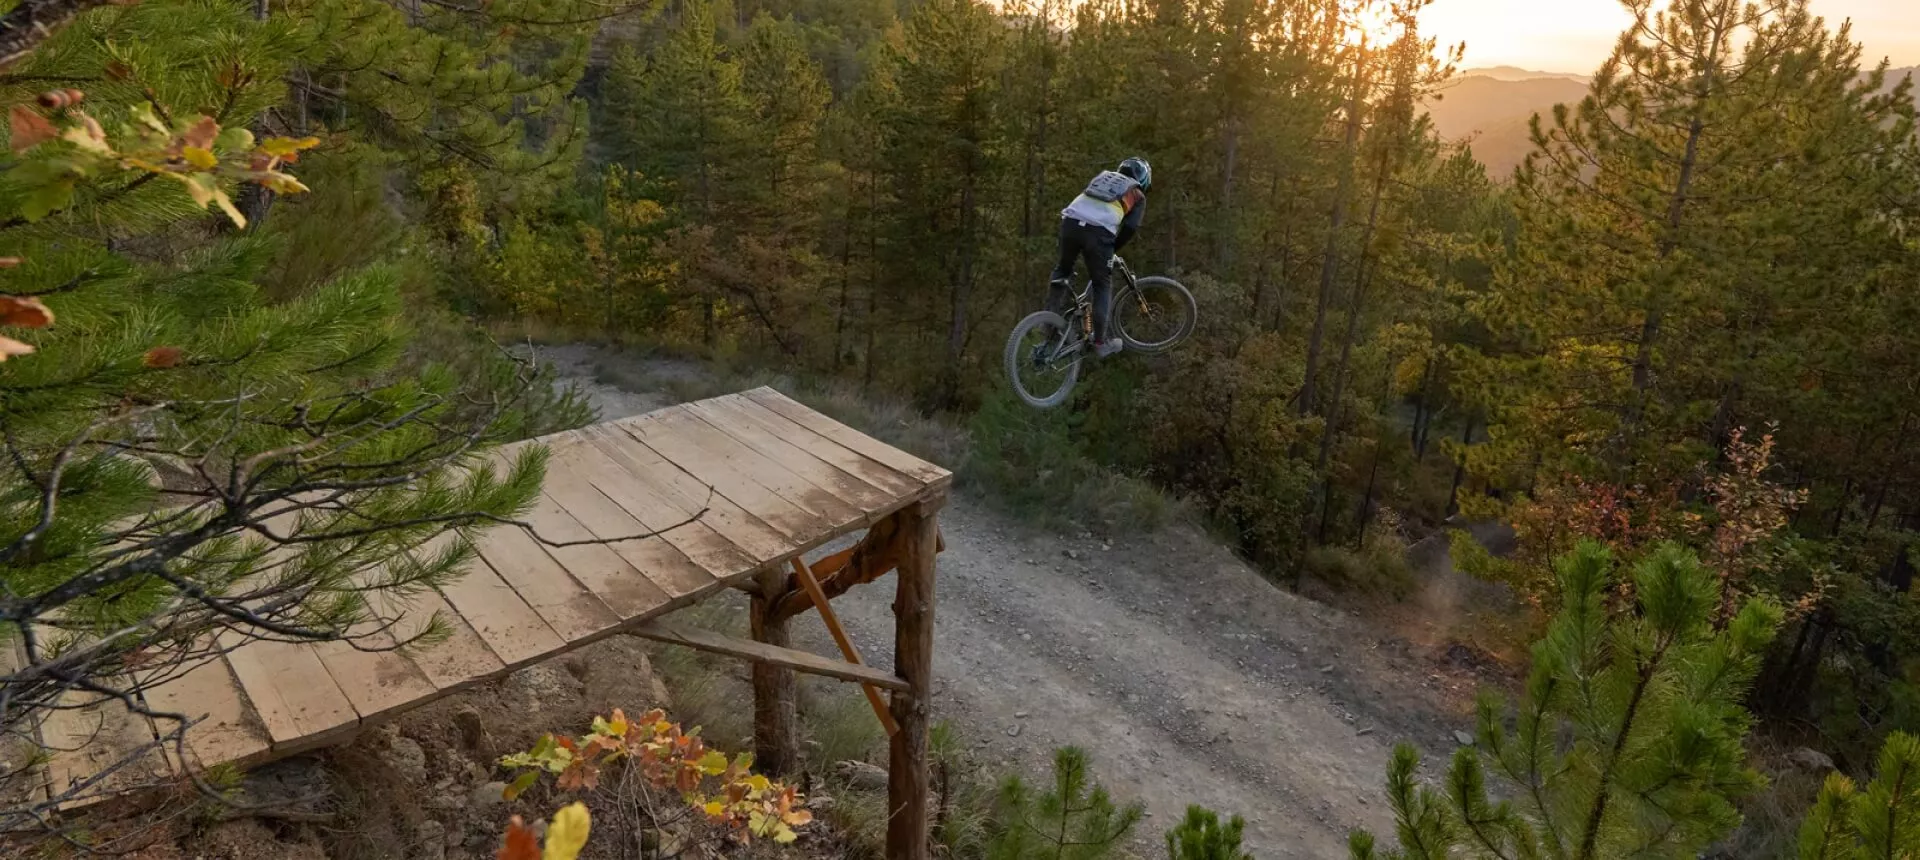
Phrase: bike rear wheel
(1154, 314)
(1043, 360)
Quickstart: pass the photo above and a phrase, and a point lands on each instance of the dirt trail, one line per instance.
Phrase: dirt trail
(1189, 677)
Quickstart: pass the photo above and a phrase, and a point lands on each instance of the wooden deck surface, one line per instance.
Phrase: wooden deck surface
(777, 479)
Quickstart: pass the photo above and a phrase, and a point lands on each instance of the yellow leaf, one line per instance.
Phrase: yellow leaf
(78, 137)
(567, 833)
(758, 782)
(198, 157)
(143, 113)
(784, 835)
(281, 183)
(714, 809)
(281, 147)
(201, 187)
(226, 205)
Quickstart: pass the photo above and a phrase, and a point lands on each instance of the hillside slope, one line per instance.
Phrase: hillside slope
(1189, 677)
(1492, 109)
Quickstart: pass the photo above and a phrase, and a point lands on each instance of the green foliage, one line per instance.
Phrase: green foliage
(1628, 740)
(1201, 836)
(1881, 821)
(1073, 819)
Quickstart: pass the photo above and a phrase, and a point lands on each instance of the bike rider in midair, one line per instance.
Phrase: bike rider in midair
(1096, 225)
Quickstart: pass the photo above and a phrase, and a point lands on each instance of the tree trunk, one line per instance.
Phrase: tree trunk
(1670, 242)
(1460, 468)
(1330, 257)
(776, 727)
(913, 606)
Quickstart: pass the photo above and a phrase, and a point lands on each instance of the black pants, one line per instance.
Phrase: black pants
(1079, 239)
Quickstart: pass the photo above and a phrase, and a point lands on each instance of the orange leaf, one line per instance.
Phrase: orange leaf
(25, 312)
(520, 844)
(10, 348)
(202, 134)
(161, 357)
(29, 128)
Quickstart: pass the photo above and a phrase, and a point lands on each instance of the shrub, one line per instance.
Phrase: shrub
(1075, 819)
(1201, 836)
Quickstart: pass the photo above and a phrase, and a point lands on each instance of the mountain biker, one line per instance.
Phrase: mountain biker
(1096, 225)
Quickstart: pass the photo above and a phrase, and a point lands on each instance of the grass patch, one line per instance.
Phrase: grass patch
(707, 689)
(1370, 572)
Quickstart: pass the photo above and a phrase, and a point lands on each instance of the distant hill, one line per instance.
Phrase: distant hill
(1491, 108)
(1493, 112)
(1515, 73)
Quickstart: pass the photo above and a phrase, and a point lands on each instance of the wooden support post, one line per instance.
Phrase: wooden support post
(776, 728)
(907, 778)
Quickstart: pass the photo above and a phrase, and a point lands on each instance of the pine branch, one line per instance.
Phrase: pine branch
(23, 28)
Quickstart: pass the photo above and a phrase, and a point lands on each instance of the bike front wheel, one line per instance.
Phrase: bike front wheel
(1154, 314)
(1043, 360)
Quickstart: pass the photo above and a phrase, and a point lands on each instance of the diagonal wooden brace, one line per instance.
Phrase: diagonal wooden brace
(876, 555)
(847, 650)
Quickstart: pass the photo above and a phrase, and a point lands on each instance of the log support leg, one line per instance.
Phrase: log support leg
(776, 731)
(907, 777)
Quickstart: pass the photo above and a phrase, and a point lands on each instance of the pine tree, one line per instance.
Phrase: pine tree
(1881, 822)
(188, 454)
(1201, 836)
(1074, 819)
(1667, 222)
(942, 155)
(1628, 741)
(681, 116)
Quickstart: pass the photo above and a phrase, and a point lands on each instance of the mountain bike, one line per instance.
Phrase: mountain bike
(1150, 315)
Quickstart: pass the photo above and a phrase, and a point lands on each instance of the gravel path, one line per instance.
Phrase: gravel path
(1189, 677)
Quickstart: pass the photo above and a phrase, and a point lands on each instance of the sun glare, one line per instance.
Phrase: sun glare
(1370, 22)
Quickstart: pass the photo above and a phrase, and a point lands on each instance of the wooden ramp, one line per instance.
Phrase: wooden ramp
(774, 479)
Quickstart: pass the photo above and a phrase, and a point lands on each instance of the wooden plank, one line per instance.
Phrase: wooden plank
(513, 631)
(612, 495)
(546, 586)
(786, 472)
(866, 469)
(799, 661)
(605, 501)
(371, 669)
(690, 444)
(376, 676)
(455, 662)
(852, 655)
(296, 698)
(228, 730)
(643, 481)
(727, 418)
(658, 580)
(860, 443)
(89, 734)
(908, 786)
(658, 577)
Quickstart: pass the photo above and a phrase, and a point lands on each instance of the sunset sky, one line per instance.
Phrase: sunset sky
(1576, 35)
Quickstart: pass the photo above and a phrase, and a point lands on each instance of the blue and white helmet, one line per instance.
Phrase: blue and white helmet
(1137, 169)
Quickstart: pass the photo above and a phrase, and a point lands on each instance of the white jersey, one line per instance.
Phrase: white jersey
(1106, 202)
